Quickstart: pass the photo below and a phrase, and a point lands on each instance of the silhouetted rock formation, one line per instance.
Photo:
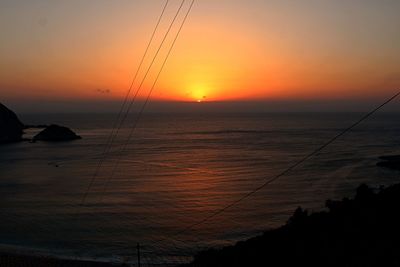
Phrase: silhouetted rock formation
(11, 128)
(55, 133)
(391, 162)
(364, 231)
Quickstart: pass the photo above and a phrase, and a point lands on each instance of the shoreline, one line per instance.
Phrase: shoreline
(19, 260)
(11, 255)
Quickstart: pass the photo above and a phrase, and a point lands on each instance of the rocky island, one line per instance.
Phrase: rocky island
(390, 162)
(12, 129)
(56, 133)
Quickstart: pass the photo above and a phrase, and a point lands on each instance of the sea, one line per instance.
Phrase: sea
(156, 193)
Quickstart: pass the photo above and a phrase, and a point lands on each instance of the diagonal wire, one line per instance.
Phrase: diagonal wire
(149, 94)
(286, 171)
(151, 64)
(115, 130)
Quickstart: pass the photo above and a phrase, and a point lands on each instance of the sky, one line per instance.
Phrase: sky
(254, 51)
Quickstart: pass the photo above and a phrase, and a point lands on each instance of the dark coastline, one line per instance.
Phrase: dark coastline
(363, 231)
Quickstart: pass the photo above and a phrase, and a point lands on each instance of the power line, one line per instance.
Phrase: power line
(149, 94)
(154, 83)
(142, 82)
(151, 65)
(290, 168)
(113, 134)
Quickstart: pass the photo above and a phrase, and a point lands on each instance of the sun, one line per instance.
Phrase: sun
(198, 93)
(201, 99)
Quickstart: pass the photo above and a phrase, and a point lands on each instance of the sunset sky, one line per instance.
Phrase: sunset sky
(229, 50)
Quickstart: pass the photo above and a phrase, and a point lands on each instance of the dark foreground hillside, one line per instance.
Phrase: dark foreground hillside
(364, 231)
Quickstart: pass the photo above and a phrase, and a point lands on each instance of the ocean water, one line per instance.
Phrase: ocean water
(176, 170)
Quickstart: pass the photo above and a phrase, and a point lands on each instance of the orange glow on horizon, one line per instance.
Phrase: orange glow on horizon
(242, 55)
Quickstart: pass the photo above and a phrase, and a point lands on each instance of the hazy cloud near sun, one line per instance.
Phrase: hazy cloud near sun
(103, 91)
